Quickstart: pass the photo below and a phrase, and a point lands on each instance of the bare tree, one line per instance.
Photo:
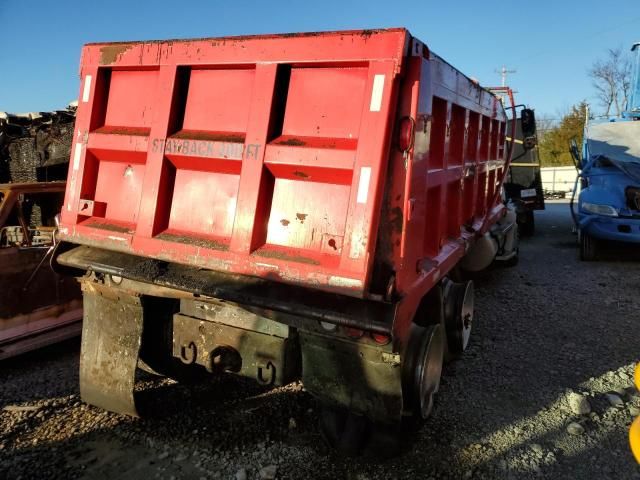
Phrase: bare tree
(544, 124)
(612, 80)
(624, 79)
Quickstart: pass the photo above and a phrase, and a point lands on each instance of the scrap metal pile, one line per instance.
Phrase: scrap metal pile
(35, 147)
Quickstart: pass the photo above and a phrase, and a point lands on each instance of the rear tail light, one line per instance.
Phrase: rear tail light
(406, 134)
(354, 333)
(380, 339)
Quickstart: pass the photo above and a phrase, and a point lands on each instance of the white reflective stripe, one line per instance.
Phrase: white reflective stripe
(76, 156)
(363, 184)
(345, 282)
(376, 93)
(87, 89)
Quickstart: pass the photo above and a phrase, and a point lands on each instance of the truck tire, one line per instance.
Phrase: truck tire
(513, 261)
(422, 368)
(342, 430)
(588, 247)
(527, 224)
(458, 317)
(352, 435)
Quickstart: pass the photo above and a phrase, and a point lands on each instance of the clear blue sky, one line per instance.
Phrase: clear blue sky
(550, 43)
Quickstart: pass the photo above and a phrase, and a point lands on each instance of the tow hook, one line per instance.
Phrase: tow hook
(188, 358)
(270, 370)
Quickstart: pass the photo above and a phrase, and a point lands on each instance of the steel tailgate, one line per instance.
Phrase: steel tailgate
(261, 156)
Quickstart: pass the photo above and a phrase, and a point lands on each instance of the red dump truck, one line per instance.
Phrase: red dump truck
(283, 207)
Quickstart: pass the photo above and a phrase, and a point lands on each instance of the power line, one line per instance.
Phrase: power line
(576, 39)
(503, 74)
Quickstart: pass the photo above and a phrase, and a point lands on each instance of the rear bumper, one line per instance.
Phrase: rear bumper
(317, 305)
(611, 228)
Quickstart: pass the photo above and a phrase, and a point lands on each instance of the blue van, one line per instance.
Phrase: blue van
(609, 174)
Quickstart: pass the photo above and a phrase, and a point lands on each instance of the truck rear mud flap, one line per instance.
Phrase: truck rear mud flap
(220, 336)
(362, 378)
(111, 338)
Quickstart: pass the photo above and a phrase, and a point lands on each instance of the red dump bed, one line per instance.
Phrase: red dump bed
(269, 155)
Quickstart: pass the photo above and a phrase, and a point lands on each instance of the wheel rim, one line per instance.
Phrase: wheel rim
(429, 369)
(466, 315)
(459, 303)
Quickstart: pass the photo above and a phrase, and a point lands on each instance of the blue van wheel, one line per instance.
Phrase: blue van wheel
(588, 247)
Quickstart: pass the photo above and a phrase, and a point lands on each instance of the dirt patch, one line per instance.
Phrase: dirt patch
(396, 219)
(148, 269)
(110, 227)
(293, 142)
(197, 241)
(285, 256)
(133, 131)
(210, 136)
(111, 53)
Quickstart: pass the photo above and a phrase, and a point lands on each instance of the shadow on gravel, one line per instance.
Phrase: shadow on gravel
(189, 431)
(22, 378)
(618, 252)
(226, 411)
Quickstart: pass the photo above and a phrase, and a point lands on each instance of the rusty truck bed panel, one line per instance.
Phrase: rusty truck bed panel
(268, 156)
(37, 306)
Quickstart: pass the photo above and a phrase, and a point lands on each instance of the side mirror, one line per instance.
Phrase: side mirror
(575, 153)
(528, 125)
(528, 119)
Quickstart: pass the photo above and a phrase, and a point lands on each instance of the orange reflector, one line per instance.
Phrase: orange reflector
(634, 432)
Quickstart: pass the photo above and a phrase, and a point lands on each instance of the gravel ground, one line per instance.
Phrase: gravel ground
(545, 390)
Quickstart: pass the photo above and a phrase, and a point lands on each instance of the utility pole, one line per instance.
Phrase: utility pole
(503, 73)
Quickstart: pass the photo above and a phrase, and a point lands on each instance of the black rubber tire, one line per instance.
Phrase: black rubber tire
(588, 247)
(421, 341)
(527, 226)
(456, 328)
(342, 430)
(351, 435)
(513, 261)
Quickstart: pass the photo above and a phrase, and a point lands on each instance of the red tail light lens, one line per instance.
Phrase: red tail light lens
(406, 134)
(380, 339)
(354, 333)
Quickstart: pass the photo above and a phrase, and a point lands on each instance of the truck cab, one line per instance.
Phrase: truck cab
(523, 185)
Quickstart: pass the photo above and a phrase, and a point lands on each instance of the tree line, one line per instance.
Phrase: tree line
(611, 78)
